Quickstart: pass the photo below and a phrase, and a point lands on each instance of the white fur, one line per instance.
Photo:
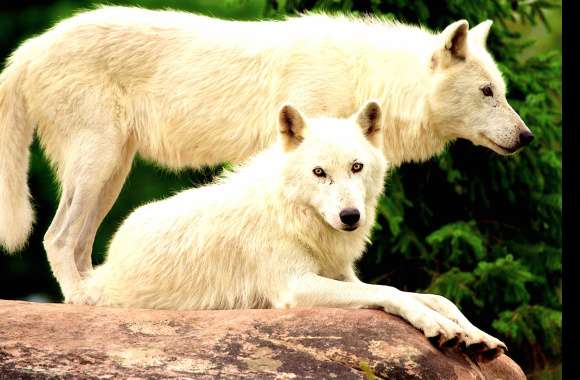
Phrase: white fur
(186, 91)
(238, 242)
(267, 236)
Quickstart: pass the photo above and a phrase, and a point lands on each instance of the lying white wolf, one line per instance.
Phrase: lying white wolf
(283, 231)
(187, 91)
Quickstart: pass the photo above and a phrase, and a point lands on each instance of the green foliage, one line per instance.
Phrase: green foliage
(537, 329)
(477, 228)
(456, 286)
(367, 370)
(457, 241)
(506, 277)
(525, 322)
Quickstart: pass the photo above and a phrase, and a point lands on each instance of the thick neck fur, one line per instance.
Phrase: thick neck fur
(410, 133)
(411, 140)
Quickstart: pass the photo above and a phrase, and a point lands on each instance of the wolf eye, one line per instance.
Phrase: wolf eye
(487, 90)
(356, 167)
(319, 172)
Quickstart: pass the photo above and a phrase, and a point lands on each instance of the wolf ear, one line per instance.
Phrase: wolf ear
(480, 32)
(291, 127)
(454, 39)
(369, 119)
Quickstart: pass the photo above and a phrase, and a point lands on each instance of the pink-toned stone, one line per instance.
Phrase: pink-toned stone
(39, 341)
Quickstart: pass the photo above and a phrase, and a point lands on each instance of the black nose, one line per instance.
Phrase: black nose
(526, 137)
(349, 216)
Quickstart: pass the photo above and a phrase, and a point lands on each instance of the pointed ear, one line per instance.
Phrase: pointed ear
(454, 39)
(370, 120)
(479, 33)
(291, 127)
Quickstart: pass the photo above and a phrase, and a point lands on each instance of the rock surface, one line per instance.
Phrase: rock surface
(40, 341)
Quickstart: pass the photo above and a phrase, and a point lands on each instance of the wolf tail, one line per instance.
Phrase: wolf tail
(16, 132)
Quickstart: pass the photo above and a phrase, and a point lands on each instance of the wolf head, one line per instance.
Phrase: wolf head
(468, 95)
(334, 167)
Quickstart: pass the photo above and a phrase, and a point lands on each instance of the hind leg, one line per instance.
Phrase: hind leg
(107, 198)
(90, 161)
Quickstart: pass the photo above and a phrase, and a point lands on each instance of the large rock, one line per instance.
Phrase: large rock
(66, 341)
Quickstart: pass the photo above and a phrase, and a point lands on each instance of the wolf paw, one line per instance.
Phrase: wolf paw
(442, 332)
(446, 334)
(482, 347)
(79, 297)
(479, 346)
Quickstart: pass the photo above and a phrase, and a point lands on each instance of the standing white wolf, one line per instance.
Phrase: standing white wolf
(283, 231)
(186, 91)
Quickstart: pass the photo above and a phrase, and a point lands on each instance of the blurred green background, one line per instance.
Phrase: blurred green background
(480, 229)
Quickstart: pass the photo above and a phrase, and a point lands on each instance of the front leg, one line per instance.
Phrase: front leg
(350, 275)
(481, 344)
(477, 341)
(311, 290)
